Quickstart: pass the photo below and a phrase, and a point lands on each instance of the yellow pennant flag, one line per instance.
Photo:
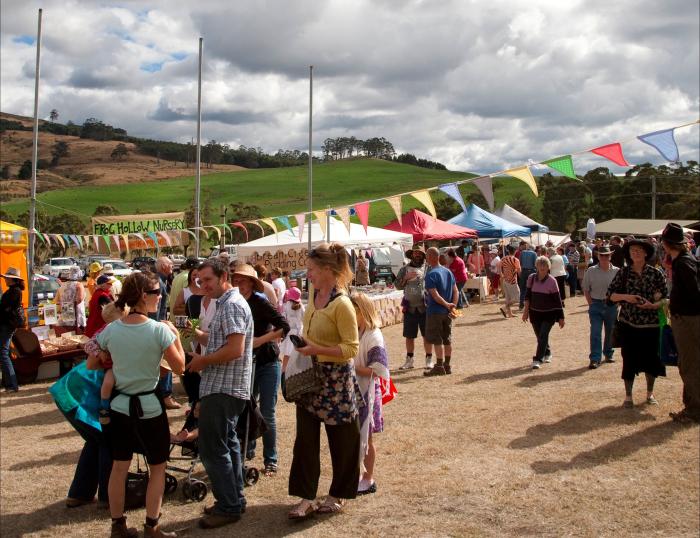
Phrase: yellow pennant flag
(58, 238)
(322, 222)
(424, 198)
(217, 230)
(344, 214)
(395, 203)
(523, 174)
(270, 223)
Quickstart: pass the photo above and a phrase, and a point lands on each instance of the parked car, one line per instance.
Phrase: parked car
(146, 263)
(231, 249)
(44, 287)
(60, 267)
(85, 261)
(178, 260)
(119, 267)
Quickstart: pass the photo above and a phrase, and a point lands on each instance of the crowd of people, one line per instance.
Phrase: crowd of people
(247, 325)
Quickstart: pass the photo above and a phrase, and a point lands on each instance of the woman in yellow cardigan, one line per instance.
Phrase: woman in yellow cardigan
(330, 332)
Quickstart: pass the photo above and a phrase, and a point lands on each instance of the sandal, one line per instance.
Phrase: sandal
(270, 469)
(304, 510)
(331, 505)
(504, 313)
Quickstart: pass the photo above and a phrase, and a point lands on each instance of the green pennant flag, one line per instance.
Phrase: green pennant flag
(564, 164)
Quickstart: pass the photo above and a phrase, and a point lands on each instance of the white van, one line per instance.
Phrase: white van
(231, 249)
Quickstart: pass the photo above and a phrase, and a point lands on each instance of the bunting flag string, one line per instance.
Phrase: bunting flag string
(395, 203)
(301, 219)
(452, 190)
(41, 236)
(523, 174)
(58, 238)
(322, 222)
(285, 222)
(256, 223)
(612, 152)
(166, 238)
(485, 186)
(115, 237)
(563, 164)
(190, 232)
(97, 242)
(242, 226)
(663, 142)
(362, 212)
(155, 239)
(270, 223)
(217, 230)
(344, 214)
(424, 198)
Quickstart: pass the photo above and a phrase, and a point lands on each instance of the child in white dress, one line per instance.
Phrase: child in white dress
(294, 313)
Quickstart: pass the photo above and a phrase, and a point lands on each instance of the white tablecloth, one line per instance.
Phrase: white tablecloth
(479, 283)
(388, 306)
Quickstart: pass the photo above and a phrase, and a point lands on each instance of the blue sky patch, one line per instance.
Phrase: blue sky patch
(179, 56)
(26, 39)
(152, 67)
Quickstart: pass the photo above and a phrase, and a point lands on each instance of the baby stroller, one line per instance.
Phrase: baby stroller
(251, 425)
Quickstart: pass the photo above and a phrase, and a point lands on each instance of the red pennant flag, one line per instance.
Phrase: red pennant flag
(388, 390)
(362, 211)
(242, 227)
(612, 152)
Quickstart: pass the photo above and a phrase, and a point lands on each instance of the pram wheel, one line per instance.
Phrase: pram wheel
(198, 490)
(170, 484)
(251, 476)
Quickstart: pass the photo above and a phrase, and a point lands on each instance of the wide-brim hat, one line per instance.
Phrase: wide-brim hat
(95, 267)
(12, 272)
(604, 251)
(108, 269)
(245, 269)
(648, 247)
(673, 234)
(415, 248)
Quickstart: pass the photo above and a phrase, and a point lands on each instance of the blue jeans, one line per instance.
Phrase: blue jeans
(601, 315)
(462, 297)
(524, 274)
(165, 384)
(220, 450)
(265, 387)
(9, 379)
(94, 464)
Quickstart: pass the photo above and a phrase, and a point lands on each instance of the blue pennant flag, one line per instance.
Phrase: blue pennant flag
(285, 221)
(663, 142)
(452, 190)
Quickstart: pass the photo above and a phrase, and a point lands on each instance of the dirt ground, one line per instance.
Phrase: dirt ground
(495, 449)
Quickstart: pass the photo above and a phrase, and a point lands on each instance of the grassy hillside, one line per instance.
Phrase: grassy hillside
(276, 191)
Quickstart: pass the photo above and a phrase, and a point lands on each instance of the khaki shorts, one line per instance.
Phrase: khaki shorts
(512, 293)
(438, 329)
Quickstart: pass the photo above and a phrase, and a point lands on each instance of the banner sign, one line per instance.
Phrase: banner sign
(286, 260)
(132, 224)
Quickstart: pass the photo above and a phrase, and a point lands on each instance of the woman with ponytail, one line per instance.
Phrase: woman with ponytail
(330, 334)
(138, 420)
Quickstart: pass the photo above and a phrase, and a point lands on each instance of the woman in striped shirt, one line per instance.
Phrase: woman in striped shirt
(543, 308)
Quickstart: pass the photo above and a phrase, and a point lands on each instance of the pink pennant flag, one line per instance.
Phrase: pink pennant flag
(301, 219)
(96, 239)
(242, 227)
(166, 238)
(362, 212)
(115, 237)
(612, 152)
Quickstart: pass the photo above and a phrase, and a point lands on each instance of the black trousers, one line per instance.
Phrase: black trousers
(541, 325)
(344, 445)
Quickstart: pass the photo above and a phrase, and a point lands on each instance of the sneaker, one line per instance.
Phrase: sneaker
(652, 401)
(536, 365)
(448, 369)
(438, 369)
(593, 365)
(429, 364)
(547, 358)
(408, 365)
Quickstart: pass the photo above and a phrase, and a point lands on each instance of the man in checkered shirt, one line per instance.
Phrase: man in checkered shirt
(224, 391)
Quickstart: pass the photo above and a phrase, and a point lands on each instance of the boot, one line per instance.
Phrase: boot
(157, 532)
(120, 530)
(408, 365)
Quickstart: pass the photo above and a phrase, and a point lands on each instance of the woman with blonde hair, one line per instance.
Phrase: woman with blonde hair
(371, 366)
(330, 334)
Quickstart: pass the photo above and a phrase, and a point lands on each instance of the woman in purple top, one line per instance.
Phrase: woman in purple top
(543, 308)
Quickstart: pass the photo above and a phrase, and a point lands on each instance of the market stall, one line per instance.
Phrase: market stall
(387, 302)
(13, 253)
(424, 227)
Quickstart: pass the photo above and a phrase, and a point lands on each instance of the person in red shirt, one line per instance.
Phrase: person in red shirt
(459, 270)
(101, 297)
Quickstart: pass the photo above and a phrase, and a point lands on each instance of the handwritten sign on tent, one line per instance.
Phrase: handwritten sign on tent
(143, 225)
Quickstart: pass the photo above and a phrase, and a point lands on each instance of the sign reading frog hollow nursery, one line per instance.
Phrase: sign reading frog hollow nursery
(141, 230)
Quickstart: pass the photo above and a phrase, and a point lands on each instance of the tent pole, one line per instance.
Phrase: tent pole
(198, 177)
(31, 233)
(311, 181)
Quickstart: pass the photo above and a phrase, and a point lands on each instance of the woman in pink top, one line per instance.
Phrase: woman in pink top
(456, 265)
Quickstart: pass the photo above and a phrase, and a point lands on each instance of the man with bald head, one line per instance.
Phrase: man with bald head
(442, 299)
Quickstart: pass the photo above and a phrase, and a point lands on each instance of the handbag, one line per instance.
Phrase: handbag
(668, 352)
(301, 377)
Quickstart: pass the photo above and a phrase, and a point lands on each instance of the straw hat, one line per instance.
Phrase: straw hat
(95, 267)
(415, 248)
(245, 269)
(12, 272)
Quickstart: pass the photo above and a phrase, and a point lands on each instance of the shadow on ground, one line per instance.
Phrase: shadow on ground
(44, 398)
(43, 418)
(63, 458)
(537, 378)
(494, 376)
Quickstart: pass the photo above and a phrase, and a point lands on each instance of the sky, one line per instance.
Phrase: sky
(479, 86)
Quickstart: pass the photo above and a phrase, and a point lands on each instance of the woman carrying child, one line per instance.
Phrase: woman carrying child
(294, 314)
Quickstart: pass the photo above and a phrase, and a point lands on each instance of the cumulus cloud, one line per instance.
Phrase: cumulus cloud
(478, 86)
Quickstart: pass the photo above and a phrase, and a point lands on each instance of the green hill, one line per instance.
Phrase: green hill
(277, 191)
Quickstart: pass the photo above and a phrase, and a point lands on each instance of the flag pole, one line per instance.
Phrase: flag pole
(35, 153)
(311, 182)
(198, 176)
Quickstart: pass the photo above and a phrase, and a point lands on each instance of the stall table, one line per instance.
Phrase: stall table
(387, 303)
(481, 284)
(29, 356)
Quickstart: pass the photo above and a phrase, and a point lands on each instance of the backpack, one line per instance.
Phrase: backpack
(414, 292)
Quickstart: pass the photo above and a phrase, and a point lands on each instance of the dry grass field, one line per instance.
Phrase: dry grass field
(495, 449)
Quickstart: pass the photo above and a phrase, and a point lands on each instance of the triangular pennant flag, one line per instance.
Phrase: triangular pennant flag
(301, 219)
(189, 232)
(563, 164)
(125, 237)
(395, 203)
(217, 230)
(106, 239)
(362, 212)
(41, 236)
(322, 222)
(230, 231)
(58, 238)
(96, 239)
(285, 222)
(663, 142)
(116, 241)
(77, 242)
(424, 198)
(270, 223)
(523, 174)
(612, 152)
(242, 226)
(452, 190)
(485, 186)
(256, 223)
(344, 214)
(166, 238)
(203, 229)
(155, 239)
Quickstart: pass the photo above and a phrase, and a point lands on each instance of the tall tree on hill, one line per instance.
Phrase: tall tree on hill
(119, 151)
(58, 151)
(25, 171)
(53, 116)
(105, 210)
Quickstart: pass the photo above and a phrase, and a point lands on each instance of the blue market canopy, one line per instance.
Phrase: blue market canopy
(488, 225)
(516, 217)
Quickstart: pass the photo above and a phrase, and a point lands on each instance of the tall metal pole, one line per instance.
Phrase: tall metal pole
(35, 153)
(653, 197)
(311, 181)
(198, 176)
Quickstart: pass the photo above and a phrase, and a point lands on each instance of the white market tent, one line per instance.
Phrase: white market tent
(356, 238)
(515, 216)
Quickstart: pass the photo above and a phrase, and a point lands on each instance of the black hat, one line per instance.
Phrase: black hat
(604, 250)
(415, 248)
(648, 248)
(673, 234)
(190, 263)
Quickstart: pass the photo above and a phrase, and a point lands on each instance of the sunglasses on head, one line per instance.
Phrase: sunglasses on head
(152, 292)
